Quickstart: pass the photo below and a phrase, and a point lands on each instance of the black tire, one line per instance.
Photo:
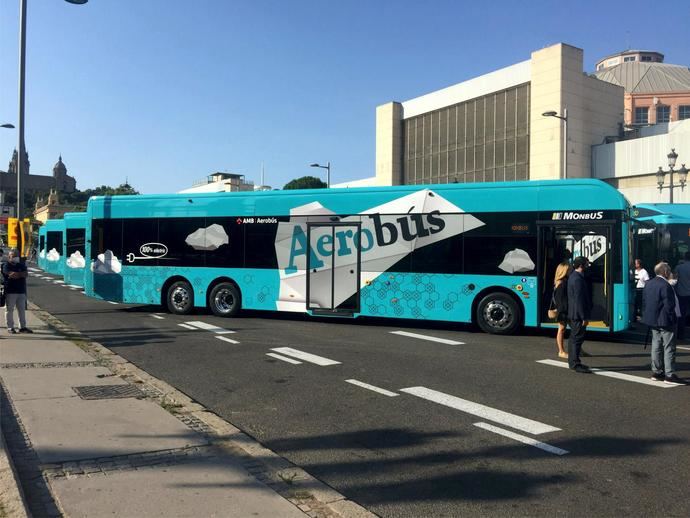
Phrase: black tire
(180, 298)
(225, 300)
(499, 314)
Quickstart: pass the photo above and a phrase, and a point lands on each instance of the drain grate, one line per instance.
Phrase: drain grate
(108, 392)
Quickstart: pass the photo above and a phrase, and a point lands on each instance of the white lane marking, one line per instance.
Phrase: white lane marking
(74, 286)
(33, 269)
(372, 387)
(226, 339)
(284, 358)
(58, 281)
(617, 375)
(485, 412)
(158, 317)
(522, 438)
(684, 348)
(111, 302)
(74, 289)
(425, 337)
(307, 357)
(209, 327)
(187, 327)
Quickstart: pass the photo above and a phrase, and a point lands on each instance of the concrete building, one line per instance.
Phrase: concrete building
(655, 92)
(492, 128)
(631, 165)
(221, 182)
(59, 180)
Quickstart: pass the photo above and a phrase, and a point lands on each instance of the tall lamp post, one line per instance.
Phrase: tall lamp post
(327, 167)
(661, 174)
(564, 118)
(20, 122)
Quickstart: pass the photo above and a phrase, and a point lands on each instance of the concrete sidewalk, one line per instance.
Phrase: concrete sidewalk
(92, 435)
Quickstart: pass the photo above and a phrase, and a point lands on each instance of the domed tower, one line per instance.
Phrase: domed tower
(59, 170)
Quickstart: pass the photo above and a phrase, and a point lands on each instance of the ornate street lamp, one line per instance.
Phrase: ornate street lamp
(661, 175)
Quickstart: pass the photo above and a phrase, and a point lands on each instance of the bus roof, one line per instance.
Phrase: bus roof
(53, 225)
(544, 195)
(75, 219)
(665, 213)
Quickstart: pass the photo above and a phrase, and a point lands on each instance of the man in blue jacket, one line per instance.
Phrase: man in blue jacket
(579, 311)
(661, 312)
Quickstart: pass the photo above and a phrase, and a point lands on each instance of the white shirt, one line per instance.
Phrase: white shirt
(641, 276)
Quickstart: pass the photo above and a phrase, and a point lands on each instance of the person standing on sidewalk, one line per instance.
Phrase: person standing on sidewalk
(14, 275)
(661, 313)
(683, 292)
(579, 310)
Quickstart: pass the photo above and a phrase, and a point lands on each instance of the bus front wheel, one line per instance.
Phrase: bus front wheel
(225, 300)
(180, 298)
(498, 313)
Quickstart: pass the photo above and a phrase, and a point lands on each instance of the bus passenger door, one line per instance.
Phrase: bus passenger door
(559, 243)
(333, 268)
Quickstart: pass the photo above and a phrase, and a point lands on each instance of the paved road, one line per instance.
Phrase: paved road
(453, 431)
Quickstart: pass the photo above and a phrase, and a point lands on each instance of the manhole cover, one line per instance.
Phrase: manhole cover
(108, 391)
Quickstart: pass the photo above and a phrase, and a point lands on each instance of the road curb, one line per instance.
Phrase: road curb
(293, 483)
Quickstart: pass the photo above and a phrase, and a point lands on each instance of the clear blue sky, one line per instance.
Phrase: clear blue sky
(167, 91)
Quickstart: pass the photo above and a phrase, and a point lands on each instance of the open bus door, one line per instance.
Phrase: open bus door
(560, 242)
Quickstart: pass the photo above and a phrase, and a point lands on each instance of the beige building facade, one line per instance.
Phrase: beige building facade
(492, 128)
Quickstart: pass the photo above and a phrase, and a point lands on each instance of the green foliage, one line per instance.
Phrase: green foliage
(305, 182)
(80, 198)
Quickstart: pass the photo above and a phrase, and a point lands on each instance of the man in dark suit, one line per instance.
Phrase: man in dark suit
(660, 313)
(579, 310)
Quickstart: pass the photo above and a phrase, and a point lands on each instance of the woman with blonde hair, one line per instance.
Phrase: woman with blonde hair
(560, 301)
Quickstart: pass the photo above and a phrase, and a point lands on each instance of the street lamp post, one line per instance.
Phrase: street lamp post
(20, 122)
(564, 118)
(661, 174)
(327, 167)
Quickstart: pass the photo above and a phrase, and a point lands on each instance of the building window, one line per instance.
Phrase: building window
(684, 112)
(663, 114)
(641, 115)
(629, 58)
(645, 58)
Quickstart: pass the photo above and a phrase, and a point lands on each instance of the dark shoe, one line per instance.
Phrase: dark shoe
(11, 330)
(675, 380)
(25, 330)
(582, 369)
(657, 376)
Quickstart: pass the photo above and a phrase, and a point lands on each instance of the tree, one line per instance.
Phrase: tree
(81, 198)
(305, 182)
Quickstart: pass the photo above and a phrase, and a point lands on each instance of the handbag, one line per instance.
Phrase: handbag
(553, 310)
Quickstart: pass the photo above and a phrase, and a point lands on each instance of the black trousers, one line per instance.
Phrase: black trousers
(684, 303)
(577, 337)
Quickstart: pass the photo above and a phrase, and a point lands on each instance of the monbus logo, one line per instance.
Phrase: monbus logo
(577, 215)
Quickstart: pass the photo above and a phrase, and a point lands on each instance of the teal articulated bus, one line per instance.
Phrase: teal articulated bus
(52, 255)
(483, 253)
(663, 233)
(75, 247)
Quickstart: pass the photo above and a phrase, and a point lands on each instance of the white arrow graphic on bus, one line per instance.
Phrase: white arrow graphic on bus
(388, 233)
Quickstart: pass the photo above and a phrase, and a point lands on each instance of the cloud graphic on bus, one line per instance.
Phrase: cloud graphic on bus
(209, 238)
(388, 233)
(107, 262)
(42, 254)
(53, 255)
(517, 261)
(76, 260)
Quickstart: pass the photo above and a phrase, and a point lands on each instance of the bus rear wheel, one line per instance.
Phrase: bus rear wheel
(225, 300)
(499, 314)
(180, 298)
